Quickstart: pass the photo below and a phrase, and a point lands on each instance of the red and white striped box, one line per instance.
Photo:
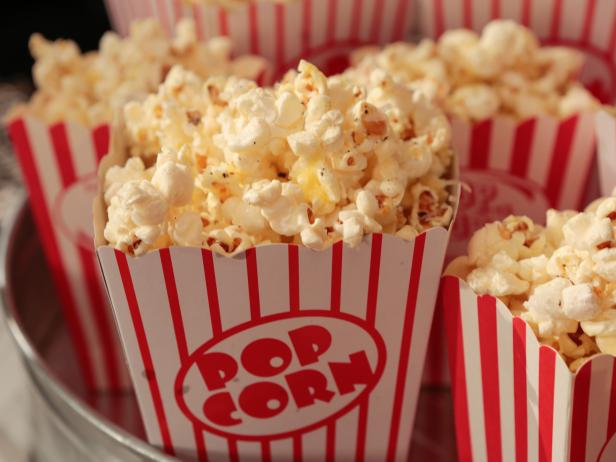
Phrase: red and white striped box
(321, 31)
(516, 399)
(280, 352)
(605, 124)
(58, 163)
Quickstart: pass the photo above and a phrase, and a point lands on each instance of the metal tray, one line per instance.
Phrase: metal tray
(71, 424)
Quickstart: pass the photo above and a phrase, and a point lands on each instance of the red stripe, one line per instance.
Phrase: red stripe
(253, 284)
(266, 452)
(280, 49)
(405, 346)
(480, 144)
(233, 454)
(20, 140)
(611, 422)
(579, 415)
(212, 291)
(496, 11)
(331, 22)
(223, 22)
(62, 152)
(253, 26)
(520, 157)
(355, 21)
(330, 443)
(449, 299)
(526, 12)
(336, 276)
(306, 25)
(174, 304)
(144, 350)
(439, 18)
(556, 17)
(588, 20)
(520, 397)
(101, 313)
(560, 158)
(467, 14)
(362, 426)
(180, 333)
(400, 20)
(177, 9)
(298, 455)
(373, 281)
(198, 18)
(547, 361)
(377, 20)
(101, 141)
(488, 345)
(293, 277)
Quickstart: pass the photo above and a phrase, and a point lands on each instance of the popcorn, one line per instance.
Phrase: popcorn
(501, 71)
(89, 88)
(313, 160)
(560, 278)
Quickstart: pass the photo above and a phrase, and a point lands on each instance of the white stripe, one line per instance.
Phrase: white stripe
(542, 148)
(248, 451)
(51, 184)
(511, 10)
(603, 19)
(481, 14)
(273, 270)
(605, 126)
(346, 435)
(211, 15)
(314, 278)
(281, 450)
(266, 26)
(365, 23)
(432, 266)
(452, 12)
(460, 140)
(472, 370)
(501, 143)
(217, 448)
(354, 279)
(504, 334)
(232, 283)
(563, 383)
(130, 343)
(314, 445)
(541, 17)
(387, 28)
(581, 155)
(572, 19)
(239, 30)
(319, 14)
(192, 295)
(598, 405)
(532, 391)
(151, 293)
(293, 31)
(426, 15)
(344, 13)
(393, 287)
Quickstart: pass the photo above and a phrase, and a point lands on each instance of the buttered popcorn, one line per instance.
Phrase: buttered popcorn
(90, 87)
(560, 278)
(502, 71)
(227, 165)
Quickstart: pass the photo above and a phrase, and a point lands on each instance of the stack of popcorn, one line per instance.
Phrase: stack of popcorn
(233, 218)
(555, 282)
(59, 137)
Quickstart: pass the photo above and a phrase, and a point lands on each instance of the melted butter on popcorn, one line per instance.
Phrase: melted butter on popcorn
(89, 88)
(560, 278)
(502, 71)
(313, 160)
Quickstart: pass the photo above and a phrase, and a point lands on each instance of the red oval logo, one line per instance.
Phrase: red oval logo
(283, 374)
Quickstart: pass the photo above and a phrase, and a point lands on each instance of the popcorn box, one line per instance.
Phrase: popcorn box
(280, 352)
(605, 125)
(321, 31)
(516, 399)
(58, 163)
